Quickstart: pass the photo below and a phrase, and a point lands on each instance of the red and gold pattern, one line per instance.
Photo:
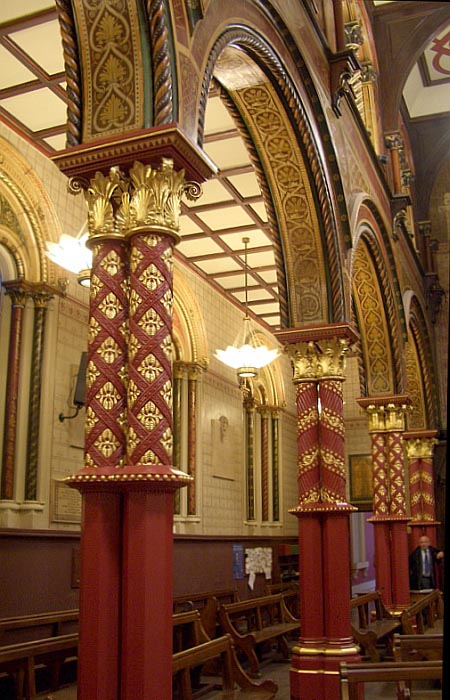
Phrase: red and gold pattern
(150, 369)
(396, 474)
(107, 347)
(421, 482)
(380, 475)
(307, 443)
(331, 440)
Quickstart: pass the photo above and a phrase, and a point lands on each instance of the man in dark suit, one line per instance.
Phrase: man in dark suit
(423, 565)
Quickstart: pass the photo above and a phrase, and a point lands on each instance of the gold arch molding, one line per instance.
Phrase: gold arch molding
(188, 327)
(32, 217)
(372, 322)
(282, 161)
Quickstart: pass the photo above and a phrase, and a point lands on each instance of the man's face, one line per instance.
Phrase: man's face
(424, 542)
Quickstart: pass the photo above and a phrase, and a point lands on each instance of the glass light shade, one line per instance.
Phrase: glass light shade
(70, 253)
(247, 355)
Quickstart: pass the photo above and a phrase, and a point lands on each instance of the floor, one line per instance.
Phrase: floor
(279, 672)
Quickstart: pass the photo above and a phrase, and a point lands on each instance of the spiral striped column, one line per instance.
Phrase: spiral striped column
(308, 470)
(331, 439)
(18, 291)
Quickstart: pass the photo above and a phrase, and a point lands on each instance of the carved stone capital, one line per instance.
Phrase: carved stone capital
(420, 448)
(318, 352)
(393, 140)
(18, 290)
(353, 34)
(148, 198)
(154, 198)
(386, 413)
(368, 73)
(343, 66)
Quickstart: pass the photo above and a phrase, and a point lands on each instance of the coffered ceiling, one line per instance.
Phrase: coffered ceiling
(33, 103)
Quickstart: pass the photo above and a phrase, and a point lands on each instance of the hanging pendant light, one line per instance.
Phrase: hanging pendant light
(247, 355)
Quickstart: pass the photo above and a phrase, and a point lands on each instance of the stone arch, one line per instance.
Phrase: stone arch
(377, 309)
(28, 217)
(188, 328)
(319, 297)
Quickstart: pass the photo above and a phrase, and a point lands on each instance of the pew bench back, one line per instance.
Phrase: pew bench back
(257, 620)
(375, 625)
(403, 674)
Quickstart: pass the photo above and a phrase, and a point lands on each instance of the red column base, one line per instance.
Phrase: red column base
(314, 671)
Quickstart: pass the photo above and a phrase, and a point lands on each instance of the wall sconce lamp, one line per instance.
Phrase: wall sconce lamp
(72, 254)
(79, 395)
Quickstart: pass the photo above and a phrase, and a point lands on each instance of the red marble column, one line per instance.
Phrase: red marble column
(193, 374)
(394, 142)
(386, 425)
(264, 415)
(249, 407)
(419, 449)
(18, 291)
(41, 295)
(275, 465)
(317, 355)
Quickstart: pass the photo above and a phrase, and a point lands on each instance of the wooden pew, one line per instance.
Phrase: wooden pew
(422, 613)
(24, 628)
(20, 661)
(251, 622)
(290, 591)
(208, 604)
(422, 647)
(375, 624)
(220, 648)
(403, 673)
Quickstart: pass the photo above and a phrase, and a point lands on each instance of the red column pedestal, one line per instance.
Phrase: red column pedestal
(400, 574)
(382, 559)
(147, 596)
(324, 580)
(100, 561)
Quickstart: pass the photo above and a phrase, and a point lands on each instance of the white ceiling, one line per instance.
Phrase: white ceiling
(33, 102)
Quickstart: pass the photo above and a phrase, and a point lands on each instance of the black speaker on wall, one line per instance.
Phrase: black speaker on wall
(79, 395)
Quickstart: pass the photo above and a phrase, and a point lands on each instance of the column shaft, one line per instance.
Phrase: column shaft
(100, 550)
(324, 558)
(249, 458)
(386, 426)
(265, 464)
(147, 582)
(17, 292)
(275, 466)
(41, 299)
(192, 439)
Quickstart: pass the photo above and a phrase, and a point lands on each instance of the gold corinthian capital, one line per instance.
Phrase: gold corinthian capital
(153, 199)
(120, 205)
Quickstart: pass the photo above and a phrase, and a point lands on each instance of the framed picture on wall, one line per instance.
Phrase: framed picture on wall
(361, 489)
